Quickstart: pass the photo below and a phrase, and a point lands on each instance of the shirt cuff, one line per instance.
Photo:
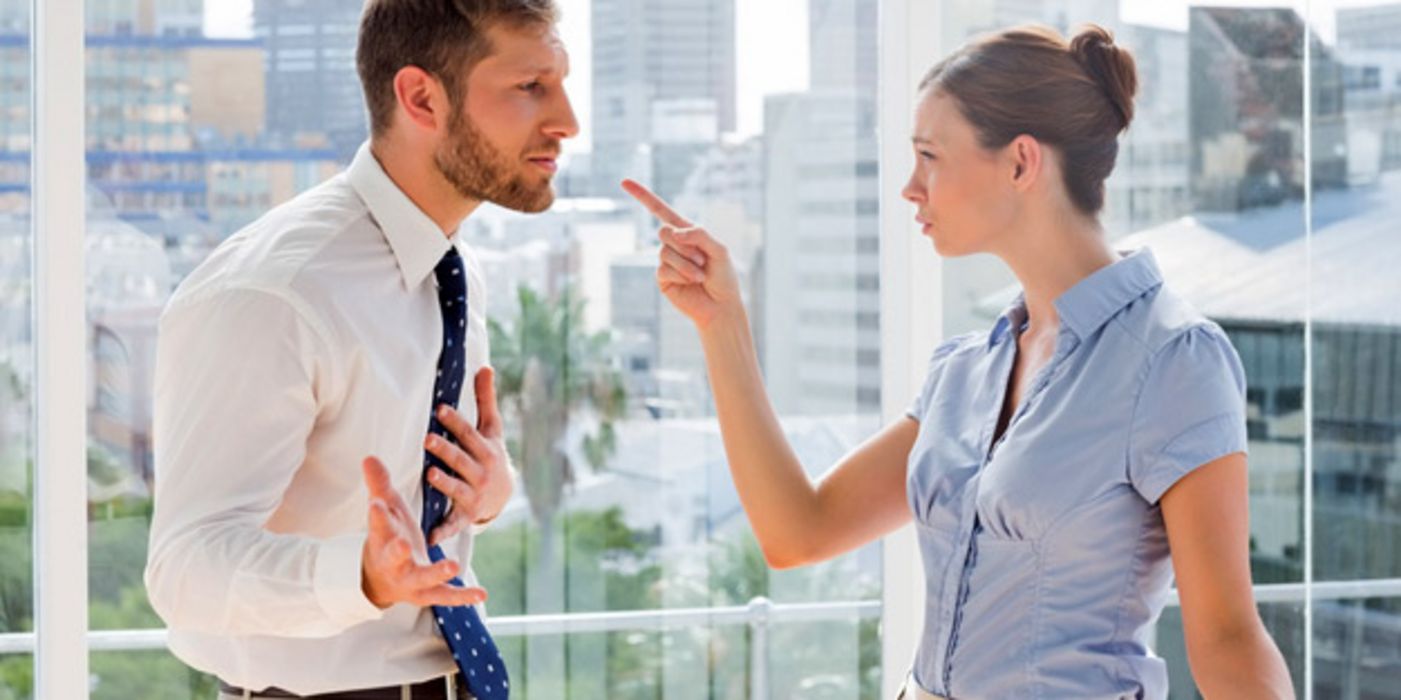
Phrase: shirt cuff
(337, 580)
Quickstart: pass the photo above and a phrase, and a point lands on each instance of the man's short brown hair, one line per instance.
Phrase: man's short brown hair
(446, 38)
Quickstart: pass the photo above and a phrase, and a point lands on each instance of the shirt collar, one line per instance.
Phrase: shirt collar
(417, 242)
(1014, 316)
(1088, 305)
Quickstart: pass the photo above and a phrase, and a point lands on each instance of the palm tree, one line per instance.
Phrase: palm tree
(549, 369)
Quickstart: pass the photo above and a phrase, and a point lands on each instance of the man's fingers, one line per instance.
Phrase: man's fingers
(461, 492)
(421, 576)
(377, 477)
(488, 415)
(654, 204)
(380, 529)
(471, 441)
(457, 458)
(400, 552)
(451, 596)
(456, 521)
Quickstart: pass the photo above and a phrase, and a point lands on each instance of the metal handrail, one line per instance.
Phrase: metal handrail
(759, 614)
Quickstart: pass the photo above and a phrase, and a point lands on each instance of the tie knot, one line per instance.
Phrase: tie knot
(450, 272)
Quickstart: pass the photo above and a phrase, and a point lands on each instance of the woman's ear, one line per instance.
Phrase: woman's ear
(1027, 159)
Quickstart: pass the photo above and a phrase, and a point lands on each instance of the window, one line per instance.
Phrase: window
(1262, 168)
(17, 354)
(629, 506)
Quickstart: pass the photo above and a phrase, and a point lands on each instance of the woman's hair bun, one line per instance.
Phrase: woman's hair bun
(1109, 65)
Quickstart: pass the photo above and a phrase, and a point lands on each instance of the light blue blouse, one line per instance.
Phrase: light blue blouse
(1045, 556)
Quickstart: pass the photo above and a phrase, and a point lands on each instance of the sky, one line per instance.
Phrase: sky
(770, 28)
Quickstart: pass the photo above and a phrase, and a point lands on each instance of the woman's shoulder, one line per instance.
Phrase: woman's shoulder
(959, 344)
(1162, 318)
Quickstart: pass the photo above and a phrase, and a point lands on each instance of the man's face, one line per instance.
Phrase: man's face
(503, 139)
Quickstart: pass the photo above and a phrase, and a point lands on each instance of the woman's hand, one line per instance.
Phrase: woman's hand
(695, 271)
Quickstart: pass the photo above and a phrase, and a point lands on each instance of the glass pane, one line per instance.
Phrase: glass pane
(628, 501)
(120, 675)
(16, 676)
(1356, 325)
(17, 390)
(1247, 181)
(1357, 649)
(1356, 343)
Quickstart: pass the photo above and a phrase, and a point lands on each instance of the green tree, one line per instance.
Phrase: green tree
(550, 369)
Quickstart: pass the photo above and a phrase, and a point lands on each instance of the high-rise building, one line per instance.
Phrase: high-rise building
(314, 92)
(1247, 108)
(144, 17)
(1149, 184)
(176, 161)
(1369, 45)
(821, 250)
(663, 87)
(1377, 27)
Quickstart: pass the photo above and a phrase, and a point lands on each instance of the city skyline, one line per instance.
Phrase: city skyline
(763, 28)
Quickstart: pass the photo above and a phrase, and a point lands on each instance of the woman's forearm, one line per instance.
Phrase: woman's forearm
(775, 491)
(1245, 666)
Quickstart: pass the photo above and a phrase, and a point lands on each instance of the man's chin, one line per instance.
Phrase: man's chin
(534, 202)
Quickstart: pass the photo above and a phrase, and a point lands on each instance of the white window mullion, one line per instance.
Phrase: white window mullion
(60, 474)
(911, 303)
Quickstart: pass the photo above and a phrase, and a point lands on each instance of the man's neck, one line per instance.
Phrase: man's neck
(420, 180)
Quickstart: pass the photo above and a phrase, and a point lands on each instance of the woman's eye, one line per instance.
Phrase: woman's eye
(531, 86)
(926, 155)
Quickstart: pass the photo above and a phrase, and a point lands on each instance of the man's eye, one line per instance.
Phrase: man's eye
(531, 86)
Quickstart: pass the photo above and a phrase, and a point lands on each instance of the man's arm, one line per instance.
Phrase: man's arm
(235, 401)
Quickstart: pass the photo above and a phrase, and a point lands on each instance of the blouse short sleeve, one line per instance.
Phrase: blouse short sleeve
(931, 378)
(1190, 410)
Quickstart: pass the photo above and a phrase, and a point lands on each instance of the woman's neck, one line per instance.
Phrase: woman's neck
(1050, 259)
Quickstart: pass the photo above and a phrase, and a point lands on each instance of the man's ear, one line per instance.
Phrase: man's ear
(422, 101)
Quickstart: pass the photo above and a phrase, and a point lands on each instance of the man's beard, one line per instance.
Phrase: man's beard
(481, 172)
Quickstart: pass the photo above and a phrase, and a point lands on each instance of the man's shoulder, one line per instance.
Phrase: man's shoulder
(281, 250)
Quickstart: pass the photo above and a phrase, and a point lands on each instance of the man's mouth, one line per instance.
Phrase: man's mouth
(546, 163)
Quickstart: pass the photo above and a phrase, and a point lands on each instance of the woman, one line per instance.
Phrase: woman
(1060, 466)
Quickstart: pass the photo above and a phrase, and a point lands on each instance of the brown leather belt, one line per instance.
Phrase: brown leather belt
(445, 688)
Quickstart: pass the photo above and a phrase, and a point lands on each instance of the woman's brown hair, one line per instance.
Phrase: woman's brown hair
(1076, 96)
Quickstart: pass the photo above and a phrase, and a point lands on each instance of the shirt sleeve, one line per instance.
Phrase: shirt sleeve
(937, 361)
(236, 385)
(1190, 410)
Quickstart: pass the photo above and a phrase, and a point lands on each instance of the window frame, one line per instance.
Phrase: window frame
(59, 179)
(911, 324)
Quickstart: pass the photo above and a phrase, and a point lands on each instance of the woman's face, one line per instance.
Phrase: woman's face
(963, 193)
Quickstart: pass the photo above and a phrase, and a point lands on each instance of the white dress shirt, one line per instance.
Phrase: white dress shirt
(306, 342)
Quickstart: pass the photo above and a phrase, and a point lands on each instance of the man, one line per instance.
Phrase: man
(316, 489)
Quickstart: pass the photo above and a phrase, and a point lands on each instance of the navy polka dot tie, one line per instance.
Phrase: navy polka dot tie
(472, 647)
